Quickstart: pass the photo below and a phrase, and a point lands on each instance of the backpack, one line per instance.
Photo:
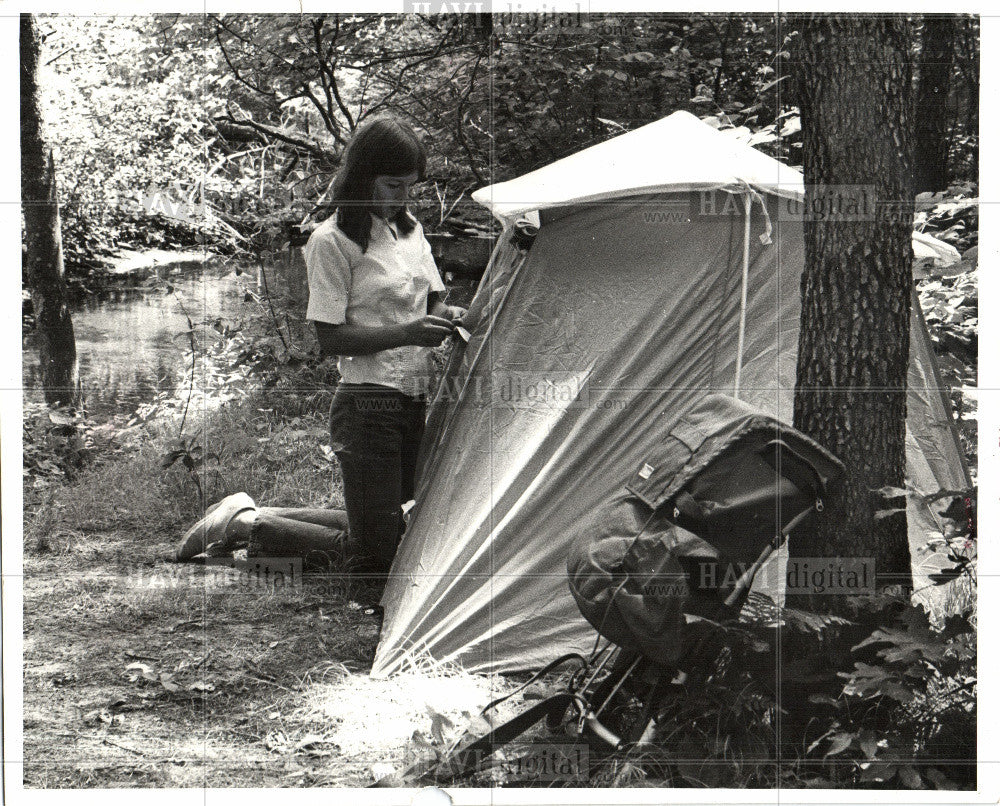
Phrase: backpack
(702, 511)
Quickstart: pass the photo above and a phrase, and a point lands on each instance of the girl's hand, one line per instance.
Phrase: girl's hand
(454, 313)
(428, 331)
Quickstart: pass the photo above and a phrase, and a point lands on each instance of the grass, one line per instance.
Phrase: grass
(235, 686)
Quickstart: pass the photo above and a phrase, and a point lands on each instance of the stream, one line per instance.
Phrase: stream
(131, 341)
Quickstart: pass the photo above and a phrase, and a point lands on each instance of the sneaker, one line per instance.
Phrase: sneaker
(212, 528)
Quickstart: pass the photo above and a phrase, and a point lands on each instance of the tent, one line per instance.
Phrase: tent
(666, 267)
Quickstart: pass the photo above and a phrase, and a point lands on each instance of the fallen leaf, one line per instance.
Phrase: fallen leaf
(910, 777)
(201, 686)
(438, 724)
(182, 624)
(277, 742)
(317, 746)
(98, 715)
(60, 418)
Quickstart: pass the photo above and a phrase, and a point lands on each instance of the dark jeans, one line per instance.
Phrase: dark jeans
(376, 433)
(318, 536)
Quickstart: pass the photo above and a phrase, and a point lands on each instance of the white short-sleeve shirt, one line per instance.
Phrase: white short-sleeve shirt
(387, 284)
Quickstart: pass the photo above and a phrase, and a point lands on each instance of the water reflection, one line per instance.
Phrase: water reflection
(131, 343)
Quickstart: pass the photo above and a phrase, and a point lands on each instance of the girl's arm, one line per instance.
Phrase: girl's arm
(345, 339)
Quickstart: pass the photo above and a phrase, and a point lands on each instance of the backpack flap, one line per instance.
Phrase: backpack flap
(653, 477)
(750, 493)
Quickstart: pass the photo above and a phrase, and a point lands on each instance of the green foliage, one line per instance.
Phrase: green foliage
(913, 700)
(951, 216)
(493, 100)
(949, 299)
(56, 444)
(908, 699)
(124, 116)
(189, 452)
(553, 87)
(903, 714)
(723, 732)
(238, 121)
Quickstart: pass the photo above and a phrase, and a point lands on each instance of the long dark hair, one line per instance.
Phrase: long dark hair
(383, 146)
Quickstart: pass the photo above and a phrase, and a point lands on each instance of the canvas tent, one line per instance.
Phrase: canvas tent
(667, 263)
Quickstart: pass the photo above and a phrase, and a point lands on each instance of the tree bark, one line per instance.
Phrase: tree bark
(931, 123)
(854, 82)
(853, 354)
(43, 238)
(967, 58)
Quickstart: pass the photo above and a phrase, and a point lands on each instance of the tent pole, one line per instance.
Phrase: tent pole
(747, 204)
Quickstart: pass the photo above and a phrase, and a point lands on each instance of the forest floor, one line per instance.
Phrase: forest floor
(139, 672)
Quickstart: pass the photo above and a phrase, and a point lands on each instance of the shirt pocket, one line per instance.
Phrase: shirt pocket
(411, 302)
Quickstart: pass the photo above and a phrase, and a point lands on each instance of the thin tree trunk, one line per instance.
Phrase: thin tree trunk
(968, 62)
(931, 122)
(723, 54)
(43, 238)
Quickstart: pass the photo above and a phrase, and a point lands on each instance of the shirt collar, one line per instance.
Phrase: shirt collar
(391, 227)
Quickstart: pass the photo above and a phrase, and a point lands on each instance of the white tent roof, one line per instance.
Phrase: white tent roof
(678, 152)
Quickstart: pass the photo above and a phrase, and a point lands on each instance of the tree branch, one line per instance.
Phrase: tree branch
(316, 149)
(460, 135)
(333, 79)
(236, 73)
(324, 77)
(324, 113)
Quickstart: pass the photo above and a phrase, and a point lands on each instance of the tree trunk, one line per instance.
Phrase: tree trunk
(850, 395)
(967, 34)
(931, 129)
(43, 239)
(855, 97)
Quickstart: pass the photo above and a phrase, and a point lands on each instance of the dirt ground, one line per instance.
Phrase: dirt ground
(139, 672)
